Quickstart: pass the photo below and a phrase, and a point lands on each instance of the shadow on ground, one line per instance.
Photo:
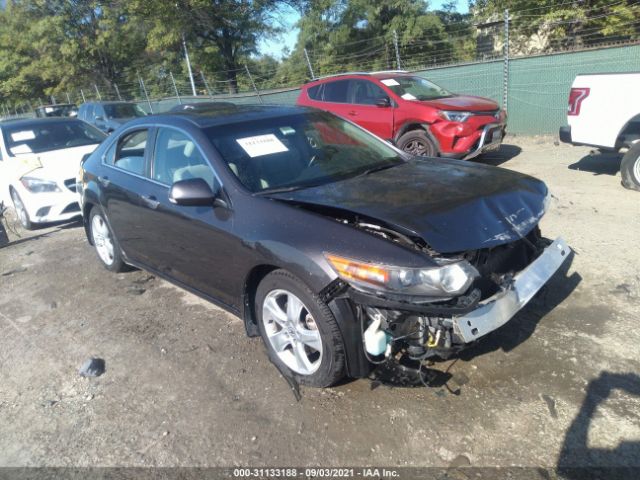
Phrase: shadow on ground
(33, 235)
(505, 153)
(598, 163)
(522, 326)
(579, 461)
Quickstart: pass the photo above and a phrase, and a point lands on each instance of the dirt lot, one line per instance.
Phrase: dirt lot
(558, 385)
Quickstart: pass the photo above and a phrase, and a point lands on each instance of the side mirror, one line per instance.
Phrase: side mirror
(383, 102)
(194, 192)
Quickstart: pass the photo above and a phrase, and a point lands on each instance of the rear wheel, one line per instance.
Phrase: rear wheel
(299, 331)
(21, 211)
(630, 168)
(105, 242)
(417, 142)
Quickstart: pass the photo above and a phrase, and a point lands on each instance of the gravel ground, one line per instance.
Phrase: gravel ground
(183, 386)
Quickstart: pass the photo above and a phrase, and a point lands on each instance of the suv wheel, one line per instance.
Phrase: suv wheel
(417, 142)
(299, 331)
(630, 168)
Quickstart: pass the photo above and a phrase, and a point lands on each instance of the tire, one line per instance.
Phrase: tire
(105, 242)
(312, 332)
(417, 142)
(21, 211)
(630, 168)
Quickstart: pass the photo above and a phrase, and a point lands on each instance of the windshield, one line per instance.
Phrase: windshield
(123, 110)
(298, 151)
(44, 136)
(415, 88)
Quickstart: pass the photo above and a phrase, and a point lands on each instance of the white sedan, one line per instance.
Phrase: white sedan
(39, 160)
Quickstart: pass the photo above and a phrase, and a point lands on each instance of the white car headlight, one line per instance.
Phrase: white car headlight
(444, 281)
(39, 185)
(455, 116)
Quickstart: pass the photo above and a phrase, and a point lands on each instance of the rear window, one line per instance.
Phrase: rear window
(336, 91)
(314, 92)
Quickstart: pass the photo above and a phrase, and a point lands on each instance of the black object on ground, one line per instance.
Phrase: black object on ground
(93, 367)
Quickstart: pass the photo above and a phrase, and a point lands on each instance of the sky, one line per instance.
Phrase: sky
(276, 46)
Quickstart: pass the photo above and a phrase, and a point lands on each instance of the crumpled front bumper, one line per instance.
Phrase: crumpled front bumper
(497, 310)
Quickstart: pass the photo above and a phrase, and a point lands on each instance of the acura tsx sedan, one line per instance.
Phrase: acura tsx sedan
(340, 250)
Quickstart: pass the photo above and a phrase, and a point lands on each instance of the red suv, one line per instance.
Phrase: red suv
(415, 114)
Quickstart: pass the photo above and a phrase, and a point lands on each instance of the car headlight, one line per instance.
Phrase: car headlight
(455, 116)
(443, 281)
(38, 185)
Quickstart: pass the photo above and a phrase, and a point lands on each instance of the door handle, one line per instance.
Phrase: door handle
(150, 201)
(104, 181)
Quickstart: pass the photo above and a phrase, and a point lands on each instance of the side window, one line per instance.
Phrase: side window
(315, 92)
(336, 91)
(88, 115)
(364, 92)
(98, 111)
(176, 157)
(129, 152)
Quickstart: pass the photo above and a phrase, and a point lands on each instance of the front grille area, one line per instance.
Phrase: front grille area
(510, 258)
(70, 183)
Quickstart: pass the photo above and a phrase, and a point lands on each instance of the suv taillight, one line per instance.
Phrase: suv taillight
(576, 96)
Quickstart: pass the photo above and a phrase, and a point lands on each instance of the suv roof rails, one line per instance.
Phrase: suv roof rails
(356, 73)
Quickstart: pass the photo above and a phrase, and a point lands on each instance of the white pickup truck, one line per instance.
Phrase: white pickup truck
(604, 112)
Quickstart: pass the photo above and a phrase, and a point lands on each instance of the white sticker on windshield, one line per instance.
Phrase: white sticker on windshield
(261, 145)
(23, 135)
(408, 96)
(390, 82)
(22, 148)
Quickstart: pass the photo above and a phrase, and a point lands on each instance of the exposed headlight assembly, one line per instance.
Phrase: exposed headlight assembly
(444, 281)
(38, 185)
(455, 116)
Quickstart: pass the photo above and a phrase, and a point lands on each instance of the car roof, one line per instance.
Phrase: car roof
(107, 102)
(30, 121)
(346, 75)
(223, 116)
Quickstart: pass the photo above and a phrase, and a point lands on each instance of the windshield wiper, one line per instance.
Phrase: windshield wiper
(375, 169)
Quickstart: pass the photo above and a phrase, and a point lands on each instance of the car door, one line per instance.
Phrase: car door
(364, 96)
(335, 100)
(124, 186)
(99, 117)
(191, 244)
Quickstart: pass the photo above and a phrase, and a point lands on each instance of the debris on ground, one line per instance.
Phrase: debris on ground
(93, 367)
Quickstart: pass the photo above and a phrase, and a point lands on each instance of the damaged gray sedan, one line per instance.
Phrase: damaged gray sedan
(341, 251)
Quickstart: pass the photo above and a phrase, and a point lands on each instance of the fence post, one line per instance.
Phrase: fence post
(206, 85)
(68, 97)
(115, 85)
(395, 44)
(306, 55)
(505, 71)
(253, 83)
(144, 90)
(175, 88)
(186, 56)
(84, 100)
(97, 92)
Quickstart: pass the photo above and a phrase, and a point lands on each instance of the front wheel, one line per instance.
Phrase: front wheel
(105, 242)
(300, 332)
(630, 168)
(21, 211)
(417, 142)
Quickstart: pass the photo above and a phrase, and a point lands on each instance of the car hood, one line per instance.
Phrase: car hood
(463, 103)
(452, 205)
(58, 165)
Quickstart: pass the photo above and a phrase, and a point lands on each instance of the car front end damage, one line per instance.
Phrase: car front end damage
(405, 332)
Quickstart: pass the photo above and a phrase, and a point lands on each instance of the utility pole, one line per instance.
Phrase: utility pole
(175, 88)
(206, 85)
(253, 83)
(97, 92)
(505, 71)
(144, 90)
(115, 86)
(395, 44)
(306, 55)
(84, 100)
(186, 56)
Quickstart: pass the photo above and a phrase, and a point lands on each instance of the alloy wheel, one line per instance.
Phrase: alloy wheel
(415, 147)
(21, 211)
(102, 239)
(292, 332)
